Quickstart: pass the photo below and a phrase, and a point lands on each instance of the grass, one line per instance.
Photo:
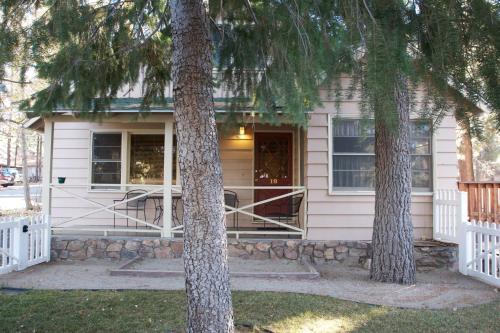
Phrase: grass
(160, 311)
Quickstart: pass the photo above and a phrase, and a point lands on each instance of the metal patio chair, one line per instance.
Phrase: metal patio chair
(137, 205)
(287, 210)
(231, 199)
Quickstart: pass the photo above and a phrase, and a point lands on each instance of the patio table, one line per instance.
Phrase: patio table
(158, 202)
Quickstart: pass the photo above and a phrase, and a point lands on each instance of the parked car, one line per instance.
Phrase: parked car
(18, 175)
(6, 178)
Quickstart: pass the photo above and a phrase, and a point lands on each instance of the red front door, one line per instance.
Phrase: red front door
(273, 167)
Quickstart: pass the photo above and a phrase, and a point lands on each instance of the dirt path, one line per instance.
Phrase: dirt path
(438, 289)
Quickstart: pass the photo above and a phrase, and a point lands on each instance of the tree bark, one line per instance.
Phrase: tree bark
(26, 186)
(466, 165)
(209, 305)
(393, 254)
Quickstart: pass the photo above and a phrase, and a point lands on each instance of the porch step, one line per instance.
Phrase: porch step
(239, 268)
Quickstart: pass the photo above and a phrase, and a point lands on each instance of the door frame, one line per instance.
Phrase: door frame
(295, 177)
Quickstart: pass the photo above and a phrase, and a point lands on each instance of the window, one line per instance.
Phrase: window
(146, 159)
(106, 158)
(141, 157)
(353, 155)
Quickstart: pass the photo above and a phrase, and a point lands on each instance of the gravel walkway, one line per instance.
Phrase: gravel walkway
(437, 289)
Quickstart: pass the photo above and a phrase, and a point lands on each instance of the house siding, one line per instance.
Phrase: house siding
(71, 154)
(342, 216)
(330, 216)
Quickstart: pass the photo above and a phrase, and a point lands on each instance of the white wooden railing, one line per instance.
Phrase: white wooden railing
(24, 242)
(68, 190)
(68, 224)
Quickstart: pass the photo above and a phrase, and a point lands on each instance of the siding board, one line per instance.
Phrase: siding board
(350, 217)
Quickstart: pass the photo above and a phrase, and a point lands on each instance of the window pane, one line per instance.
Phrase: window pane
(354, 171)
(358, 179)
(107, 139)
(353, 128)
(420, 146)
(146, 159)
(342, 162)
(106, 159)
(420, 129)
(106, 172)
(421, 163)
(107, 153)
(421, 179)
(354, 145)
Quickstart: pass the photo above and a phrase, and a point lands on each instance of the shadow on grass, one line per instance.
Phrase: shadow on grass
(160, 311)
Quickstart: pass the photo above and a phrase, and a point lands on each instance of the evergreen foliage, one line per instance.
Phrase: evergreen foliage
(277, 53)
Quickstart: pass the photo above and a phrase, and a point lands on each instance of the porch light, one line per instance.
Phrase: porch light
(242, 130)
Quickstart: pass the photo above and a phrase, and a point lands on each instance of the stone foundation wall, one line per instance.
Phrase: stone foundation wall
(429, 255)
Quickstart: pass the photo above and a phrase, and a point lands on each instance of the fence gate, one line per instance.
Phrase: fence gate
(450, 210)
(478, 242)
(24, 242)
(479, 251)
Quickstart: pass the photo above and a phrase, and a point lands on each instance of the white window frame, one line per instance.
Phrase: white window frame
(91, 159)
(125, 157)
(336, 191)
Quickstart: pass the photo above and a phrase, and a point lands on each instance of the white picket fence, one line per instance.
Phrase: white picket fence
(478, 243)
(24, 242)
(479, 251)
(450, 209)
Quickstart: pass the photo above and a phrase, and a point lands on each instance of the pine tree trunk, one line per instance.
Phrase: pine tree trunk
(26, 186)
(209, 306)
(393, 254)
(466, 165)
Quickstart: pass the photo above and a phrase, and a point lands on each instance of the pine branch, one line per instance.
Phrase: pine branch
(249, 8)
(15, 81)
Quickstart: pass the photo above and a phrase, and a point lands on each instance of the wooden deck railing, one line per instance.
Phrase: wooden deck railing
(483, 199)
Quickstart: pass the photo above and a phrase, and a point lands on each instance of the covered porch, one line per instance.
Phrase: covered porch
(120, 177)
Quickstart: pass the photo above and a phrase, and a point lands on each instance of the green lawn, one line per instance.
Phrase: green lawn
(160, 311)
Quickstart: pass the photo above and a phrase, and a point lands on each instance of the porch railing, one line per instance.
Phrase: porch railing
(68, 224)
(483, 200)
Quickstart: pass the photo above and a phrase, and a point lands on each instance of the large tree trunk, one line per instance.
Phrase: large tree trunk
(393, 254)
(209, 306)
(26, 186)
(466, 163)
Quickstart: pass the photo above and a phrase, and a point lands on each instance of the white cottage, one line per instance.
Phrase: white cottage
(119, 176)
